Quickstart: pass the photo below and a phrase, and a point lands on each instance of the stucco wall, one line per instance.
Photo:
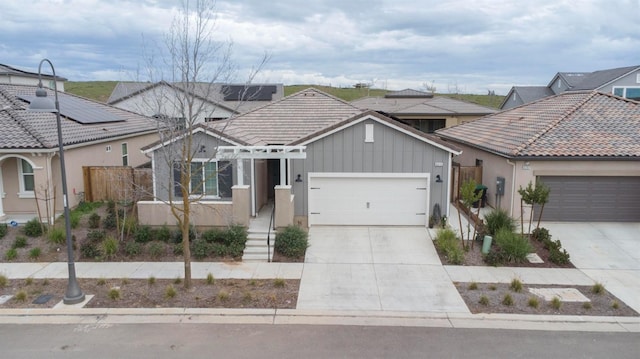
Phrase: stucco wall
(205, 214)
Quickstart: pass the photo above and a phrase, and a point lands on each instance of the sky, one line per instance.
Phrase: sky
(468, 46)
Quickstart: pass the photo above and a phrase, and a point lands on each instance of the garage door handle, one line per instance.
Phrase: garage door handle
(314, 188)
(421, 214)
(315, 213)
(421, 188)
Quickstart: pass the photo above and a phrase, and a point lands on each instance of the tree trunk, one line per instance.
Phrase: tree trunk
(475, 228)
(530, 218)
(460, 221)
(522, 217)
(186, 250)
(540, 216)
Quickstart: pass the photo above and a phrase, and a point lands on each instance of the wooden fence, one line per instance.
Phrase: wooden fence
(462, 174)
(117, 183)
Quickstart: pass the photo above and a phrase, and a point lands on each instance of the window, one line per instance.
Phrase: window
(27, 179)
(125, 155)
(630, 92)
(208, 178)
(428, 126)
(368, 132)
(108, 148)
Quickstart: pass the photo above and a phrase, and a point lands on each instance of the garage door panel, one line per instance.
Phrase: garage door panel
(592, 198)
(368, 201)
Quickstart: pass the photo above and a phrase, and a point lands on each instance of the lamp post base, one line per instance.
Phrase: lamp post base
(74, 294)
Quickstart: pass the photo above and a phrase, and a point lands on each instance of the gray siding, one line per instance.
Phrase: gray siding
(629, 80)
(391, 152)
(165, 156)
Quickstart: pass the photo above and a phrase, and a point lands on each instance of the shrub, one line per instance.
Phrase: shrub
(132, 248)
(448, 244)
(178, 250)
(292, 242)
(96, 235)
(507, 300)
(21, 296)
(110, 247)
(163, 234)
(3, 280)
(498, 219)
(516, 285)
(110, 221)
(101, 281)
(235, 250)
(156, 250)
(540, 234)
(552, 245)
(587, 305)
(214, 236)
(177, 280)
(484, 300)
(151, 280)
(19, 242)
(558, 256)
(28, 281)
(11, 254)
(514, 246)
(615, 304)
(279, 283)
(236, 235)
(57, 235)
(200, 249)
(130, 225)
(495, 257)
(114, 293)
(34, 253)
(89, 249)
(86, 207)
(33, 228)
(177, 235)
(74, 218)
(533, 302)
(473, 286)
(223, 296)
(3, 229)
(493, 287)
(170, 292)
(94, 220)
(218, 249)
(556, 303)
(597, 288)
(143, 234)
(210, 279)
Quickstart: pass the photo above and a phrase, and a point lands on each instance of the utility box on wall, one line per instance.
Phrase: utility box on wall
(500, 186)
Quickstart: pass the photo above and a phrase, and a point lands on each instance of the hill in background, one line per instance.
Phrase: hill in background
(101, 90)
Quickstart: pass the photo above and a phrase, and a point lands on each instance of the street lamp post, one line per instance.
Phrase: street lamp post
(41, 103)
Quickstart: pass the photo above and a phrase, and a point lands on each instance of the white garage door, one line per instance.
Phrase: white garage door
(368, 199)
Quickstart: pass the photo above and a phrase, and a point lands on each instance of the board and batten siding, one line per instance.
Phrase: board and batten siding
(391, 151)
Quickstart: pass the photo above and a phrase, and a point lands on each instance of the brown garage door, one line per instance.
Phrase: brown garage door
(592, 199)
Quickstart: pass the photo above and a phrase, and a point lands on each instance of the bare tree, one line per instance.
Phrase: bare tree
(197, 65)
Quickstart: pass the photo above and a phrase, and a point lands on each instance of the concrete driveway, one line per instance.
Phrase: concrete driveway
(375, 268)
(608, 253)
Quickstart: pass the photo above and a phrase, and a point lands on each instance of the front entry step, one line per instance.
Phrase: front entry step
(256, 249)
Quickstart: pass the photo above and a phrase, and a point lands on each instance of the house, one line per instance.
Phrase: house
(584, 145)
(212, 102)
(423, 110)
(13, 76)
(623, 82)
(94, 134)
(321, 160)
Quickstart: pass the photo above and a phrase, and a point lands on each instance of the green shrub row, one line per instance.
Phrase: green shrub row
(448, 244)
(292, 242)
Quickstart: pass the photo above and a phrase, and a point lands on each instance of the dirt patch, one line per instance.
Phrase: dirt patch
(600, 304)
(140, 293)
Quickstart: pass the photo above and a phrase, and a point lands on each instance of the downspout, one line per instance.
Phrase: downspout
(153, 175)
(513, 186)
(50, 204)
(449, 184)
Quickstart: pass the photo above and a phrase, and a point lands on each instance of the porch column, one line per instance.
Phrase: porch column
(240, 167)
(284, 206)
(283, 172)
(241, 197)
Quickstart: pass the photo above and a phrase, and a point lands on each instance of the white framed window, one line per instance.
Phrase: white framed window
(108, 148)
(368, 132)
(125, 155)
(559, 83)
(209, 179)
(26, 178)
(638, 78)
(630, 92)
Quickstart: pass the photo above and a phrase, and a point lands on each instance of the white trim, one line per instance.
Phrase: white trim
(371, 117)
(261, 152)
(368, 132)
(153, 175)
(24, 193)
(197, 130)
(2, 194)
(203, 161)
(4, 157)
(125, 146)
(253, 187)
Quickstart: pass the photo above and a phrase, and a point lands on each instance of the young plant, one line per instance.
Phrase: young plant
(19, 242)
(279, 283)
(587, 305)
(507, 300)
(556, 303)
(597, 288)
(533, 302)
(11, 254)
(28, 281)
(210, 279)
(516, 285)
(177, 280)
(223, 296)
(473, 286)
(110, 247)
(151, 280)
(484, 300)
(101, 281)
(170, 292)
(3, 280)
(21, 296)
(34, 253)
(114, 293)
(615, 304)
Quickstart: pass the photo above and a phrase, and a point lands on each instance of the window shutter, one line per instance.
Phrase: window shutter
(225, 178)
(177, 173)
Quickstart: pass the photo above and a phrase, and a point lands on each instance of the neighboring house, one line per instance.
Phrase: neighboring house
(212, 102)
(94, 134)
(423, 110)
(623, 82)
(12, 76)
(320, 159)
(584, 145)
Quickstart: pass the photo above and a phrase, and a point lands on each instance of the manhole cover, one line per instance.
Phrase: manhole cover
(43, 299)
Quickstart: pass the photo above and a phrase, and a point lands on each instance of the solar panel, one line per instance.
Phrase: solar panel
(248, 93)
(81, 111)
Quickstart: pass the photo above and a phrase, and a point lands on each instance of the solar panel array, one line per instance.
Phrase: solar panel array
(248, 93)
(81, 111)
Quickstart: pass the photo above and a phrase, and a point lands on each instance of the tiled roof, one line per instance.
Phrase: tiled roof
(22, 129)
(438, 105)
(210, 92)
(408, 93)
(569, 125)
(287, 120)
(6, 70)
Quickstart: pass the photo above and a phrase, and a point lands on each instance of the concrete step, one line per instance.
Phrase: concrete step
(255, 258)
(255, 250)
(257, 243)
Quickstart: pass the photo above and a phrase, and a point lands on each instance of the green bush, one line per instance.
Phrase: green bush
(96, 235)
(558, 256)
(86, 207)
(110, 247)
(3, 229)
(178, 249)
(90, 250)
(132, 248)
(163, 234)
(200, 249)
(497, 219)
(514, 247)
(495, 257)
(33, 228)
(19, 242)
(94, 220)
(110, 221)
(449, 245)
(57, 235)
(540, 234)
(177, 234)
(214, 236)
(552, 245)
(292, 242)
(219, 250)
(74, 218)
(143, 234)
(34, 253)
(11, 254)
(236, 235)
(156, 250)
